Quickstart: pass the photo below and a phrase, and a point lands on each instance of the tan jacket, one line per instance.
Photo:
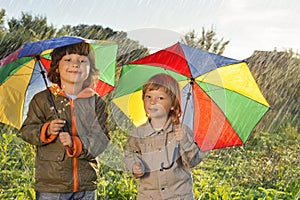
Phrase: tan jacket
(58, 170)
(152, 148)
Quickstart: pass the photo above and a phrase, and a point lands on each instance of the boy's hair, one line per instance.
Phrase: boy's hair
(79, 48)
(171, 87)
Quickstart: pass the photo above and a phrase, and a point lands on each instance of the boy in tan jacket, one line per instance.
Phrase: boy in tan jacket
(151, 145)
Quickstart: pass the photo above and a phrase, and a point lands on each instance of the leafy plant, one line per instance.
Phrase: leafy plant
(16, 168)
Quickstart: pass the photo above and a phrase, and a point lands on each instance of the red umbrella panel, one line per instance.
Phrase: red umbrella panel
(221, 101)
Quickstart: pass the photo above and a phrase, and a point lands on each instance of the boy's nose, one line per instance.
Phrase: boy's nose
(76, 64)
(152, 101)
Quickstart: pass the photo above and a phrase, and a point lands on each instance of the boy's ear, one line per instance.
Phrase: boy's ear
(172, 108)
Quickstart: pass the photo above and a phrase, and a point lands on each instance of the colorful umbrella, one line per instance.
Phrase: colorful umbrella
(220, 98)
(22, 72)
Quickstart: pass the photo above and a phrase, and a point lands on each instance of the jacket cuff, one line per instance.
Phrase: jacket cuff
(77, 147)
(43, 134)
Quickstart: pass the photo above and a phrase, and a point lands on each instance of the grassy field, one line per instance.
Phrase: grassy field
(268, 167)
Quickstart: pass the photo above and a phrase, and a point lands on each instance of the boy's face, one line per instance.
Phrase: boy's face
(74, 68)
(157, 104)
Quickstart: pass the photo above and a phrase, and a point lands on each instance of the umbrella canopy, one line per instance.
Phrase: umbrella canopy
(21, 74)
(220, 98)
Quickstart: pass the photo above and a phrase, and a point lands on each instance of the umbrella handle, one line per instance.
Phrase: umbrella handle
(69, 149)
(175, 152)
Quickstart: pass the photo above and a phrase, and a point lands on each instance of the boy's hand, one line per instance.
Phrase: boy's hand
(65, 139)
(179, 133)
(55, 126)
(137, 170)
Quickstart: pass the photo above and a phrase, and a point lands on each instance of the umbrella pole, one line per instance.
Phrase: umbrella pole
(187, 99)
(50, 94)
(46, 84)
(175, 152)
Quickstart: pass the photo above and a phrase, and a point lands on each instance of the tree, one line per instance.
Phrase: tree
(94, 32)
(207, 41)
(35, 27)
(128, 50)
(2, 15)
(30, 28)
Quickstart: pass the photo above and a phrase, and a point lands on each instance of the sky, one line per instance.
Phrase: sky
(249, 24)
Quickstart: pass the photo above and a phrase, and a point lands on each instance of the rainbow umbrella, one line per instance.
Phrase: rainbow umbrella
(22, 74)
(220, 98)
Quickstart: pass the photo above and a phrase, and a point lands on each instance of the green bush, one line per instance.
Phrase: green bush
(16, 169)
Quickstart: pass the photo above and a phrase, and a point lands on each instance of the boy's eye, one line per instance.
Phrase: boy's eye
(161, 98)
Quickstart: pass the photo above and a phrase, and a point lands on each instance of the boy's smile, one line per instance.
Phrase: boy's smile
(74, 68)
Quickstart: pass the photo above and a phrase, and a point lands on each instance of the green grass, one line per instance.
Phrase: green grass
(267, 168)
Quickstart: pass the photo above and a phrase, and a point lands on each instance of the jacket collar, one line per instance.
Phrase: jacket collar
(148, 130)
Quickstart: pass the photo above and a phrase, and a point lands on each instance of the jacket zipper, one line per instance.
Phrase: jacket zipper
(75, 161)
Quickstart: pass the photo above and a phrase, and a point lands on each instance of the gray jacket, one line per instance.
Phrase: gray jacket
(152, 148)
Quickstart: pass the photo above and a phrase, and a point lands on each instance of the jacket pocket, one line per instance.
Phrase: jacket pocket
(146, 148)
(51, 165)
(51, 155)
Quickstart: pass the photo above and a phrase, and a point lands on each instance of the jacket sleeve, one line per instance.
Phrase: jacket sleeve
(35, 125)
(91, 124)
(132, 153)
(190, 152)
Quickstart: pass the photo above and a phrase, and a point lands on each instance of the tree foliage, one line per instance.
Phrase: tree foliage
(128, 50)
(30, 28)
(207, 41)
(35, 27)
(2, 15)
(94, 32)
